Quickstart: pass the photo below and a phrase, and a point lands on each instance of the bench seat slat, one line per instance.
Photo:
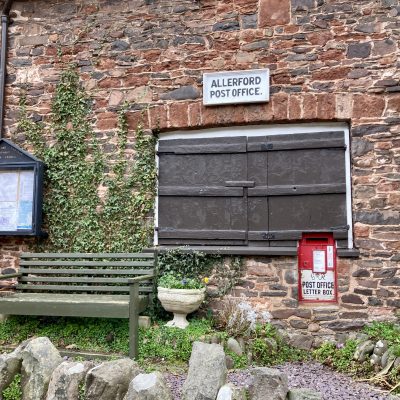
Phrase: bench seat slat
(87, 255)
(80, 288)
(65, 305)
(87, 263)
(66, 279)
(96, 271)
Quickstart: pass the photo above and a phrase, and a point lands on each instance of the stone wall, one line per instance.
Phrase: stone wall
(330, 61)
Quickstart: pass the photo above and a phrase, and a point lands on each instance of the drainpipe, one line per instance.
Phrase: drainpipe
(3, 58)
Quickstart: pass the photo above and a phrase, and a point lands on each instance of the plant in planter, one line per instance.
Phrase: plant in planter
(181, 296)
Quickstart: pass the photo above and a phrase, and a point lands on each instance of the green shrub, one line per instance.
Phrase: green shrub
(264, 354)
(13, 392)
(389, 331)
(179, 281)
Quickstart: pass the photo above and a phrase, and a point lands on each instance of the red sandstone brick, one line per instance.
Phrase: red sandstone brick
(309, 106)
(273, 12)
(361, 230)
(319, 38)
(258, 113)
(294, 107)
(108, 83)
(394, 103)
(331, 74)
(194, 112)
(394, 199)
(107, 123)
(246, 6)
(280, 106)
(134, 80)
(368, 106)
(134, 118)
(326, 106)
(158, 116)
(178, 115)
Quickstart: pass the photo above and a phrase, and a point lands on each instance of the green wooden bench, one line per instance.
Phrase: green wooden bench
(83, 285)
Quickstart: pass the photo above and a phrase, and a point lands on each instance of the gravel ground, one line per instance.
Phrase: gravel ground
(332, 385)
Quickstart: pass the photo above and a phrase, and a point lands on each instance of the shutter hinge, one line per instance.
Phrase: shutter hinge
(268, 236)
(267, 146)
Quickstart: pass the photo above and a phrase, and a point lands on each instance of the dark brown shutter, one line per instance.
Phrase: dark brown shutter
(256, 191)
(201, 191)
(302, 187)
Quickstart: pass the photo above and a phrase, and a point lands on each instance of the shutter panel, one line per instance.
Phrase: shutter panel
(201, 195)
(305, 187)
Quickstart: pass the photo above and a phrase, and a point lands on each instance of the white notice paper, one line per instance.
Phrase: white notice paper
(26, 186)
(8, 216)
(319, 261)
(329, 256)
(8, 186)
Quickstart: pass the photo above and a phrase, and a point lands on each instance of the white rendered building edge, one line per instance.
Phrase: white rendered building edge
(263, 130)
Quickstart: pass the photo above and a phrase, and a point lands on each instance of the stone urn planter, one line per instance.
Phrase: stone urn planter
(181, 302)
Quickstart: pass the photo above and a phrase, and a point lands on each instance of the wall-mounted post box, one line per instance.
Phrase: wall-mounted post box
(317, 267)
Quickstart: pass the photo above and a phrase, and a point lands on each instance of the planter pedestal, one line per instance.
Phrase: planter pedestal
(181, 302)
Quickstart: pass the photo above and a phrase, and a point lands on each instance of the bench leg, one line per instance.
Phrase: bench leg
(3, 317)
(133, 320)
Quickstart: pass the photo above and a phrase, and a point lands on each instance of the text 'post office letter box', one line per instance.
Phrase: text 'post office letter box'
(317, 268)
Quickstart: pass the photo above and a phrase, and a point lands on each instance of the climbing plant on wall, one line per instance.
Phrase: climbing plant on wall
(78, 219)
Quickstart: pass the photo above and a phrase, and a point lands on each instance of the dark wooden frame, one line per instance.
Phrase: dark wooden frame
(70, 288)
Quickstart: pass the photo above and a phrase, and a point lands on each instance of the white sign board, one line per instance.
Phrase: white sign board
(317, 286)
(235, 87)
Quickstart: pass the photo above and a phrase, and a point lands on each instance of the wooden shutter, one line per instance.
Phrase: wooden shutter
(301, 188)
(256, 191)
(201, 191)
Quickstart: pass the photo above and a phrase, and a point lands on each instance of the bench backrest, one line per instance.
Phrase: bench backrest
(96, 273)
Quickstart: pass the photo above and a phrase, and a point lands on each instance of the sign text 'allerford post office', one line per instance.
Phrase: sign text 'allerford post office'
(234, 87)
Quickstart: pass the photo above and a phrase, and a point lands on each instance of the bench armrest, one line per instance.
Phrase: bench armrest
(8, 276)
(132, 281)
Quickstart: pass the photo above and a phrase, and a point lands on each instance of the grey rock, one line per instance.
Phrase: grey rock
(303, 342)
(39, 359)
(66, 379)
(226, 26)
(148, 387)
(380, 347)
(375, 359)
(387, 357)
(249, 21)
(347, 325)
(110, 380)
(304, 394)
(10, 365)
(364, 350)
(359, 147)
(183, 93)
(230, 364)
(268, 383)
(234, 346)
(207, 372)
(302, 5)
(230, 392)
(359, 50)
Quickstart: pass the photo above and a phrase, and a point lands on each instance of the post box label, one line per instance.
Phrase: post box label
(319, 261)
(317, 286)
(329, 256)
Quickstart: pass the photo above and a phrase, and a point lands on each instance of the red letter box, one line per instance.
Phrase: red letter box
(317, 268)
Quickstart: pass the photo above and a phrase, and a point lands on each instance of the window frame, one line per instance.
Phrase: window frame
(263, 130)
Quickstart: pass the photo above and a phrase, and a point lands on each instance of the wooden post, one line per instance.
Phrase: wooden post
(133, 320)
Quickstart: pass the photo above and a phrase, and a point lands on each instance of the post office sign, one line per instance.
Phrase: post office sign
(236, 87)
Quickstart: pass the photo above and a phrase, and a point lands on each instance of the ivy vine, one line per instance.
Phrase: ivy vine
(92, 203)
